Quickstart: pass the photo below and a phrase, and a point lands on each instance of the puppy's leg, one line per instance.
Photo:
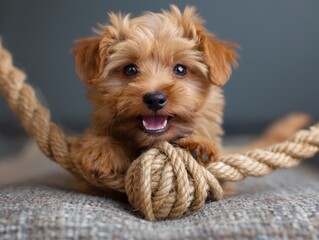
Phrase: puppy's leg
(202, 149)
(100, 157)
(278, 131)
(282, 129)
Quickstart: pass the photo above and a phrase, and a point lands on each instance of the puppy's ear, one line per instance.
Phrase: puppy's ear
(87, 59)
(219, 56)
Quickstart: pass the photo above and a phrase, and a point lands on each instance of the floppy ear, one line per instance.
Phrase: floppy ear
(87, 59)
(219, 56)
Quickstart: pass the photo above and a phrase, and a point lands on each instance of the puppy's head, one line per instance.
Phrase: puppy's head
(148, 76)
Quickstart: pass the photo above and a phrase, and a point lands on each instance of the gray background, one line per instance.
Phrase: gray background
(278, 71)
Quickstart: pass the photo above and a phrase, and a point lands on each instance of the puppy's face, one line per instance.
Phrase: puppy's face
(149, 76)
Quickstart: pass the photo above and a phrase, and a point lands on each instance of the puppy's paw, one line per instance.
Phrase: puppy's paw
(201, 149)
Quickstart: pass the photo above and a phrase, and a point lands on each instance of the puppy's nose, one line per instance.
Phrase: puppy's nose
(155, 101)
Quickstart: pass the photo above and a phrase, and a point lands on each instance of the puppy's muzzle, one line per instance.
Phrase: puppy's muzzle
(155, 101)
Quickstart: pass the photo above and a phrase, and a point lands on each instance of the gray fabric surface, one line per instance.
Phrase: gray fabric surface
(283, 205)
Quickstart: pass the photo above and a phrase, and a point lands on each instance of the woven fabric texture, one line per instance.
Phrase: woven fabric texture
(44, 205)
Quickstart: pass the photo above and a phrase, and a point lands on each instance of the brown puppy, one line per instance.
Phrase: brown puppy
(157, 77)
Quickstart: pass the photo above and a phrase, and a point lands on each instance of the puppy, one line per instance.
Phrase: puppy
(152, 78)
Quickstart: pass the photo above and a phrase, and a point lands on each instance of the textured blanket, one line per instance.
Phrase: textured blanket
(38, 201)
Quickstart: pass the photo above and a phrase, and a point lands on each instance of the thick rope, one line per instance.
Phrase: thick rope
(36, 120)
(34, 117)
(165, 181)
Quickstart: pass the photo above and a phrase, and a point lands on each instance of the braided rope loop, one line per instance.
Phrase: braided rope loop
(167, 182)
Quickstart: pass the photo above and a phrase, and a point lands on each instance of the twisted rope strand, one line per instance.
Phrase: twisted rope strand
(164, 182)
(34, 117)
(36, 120)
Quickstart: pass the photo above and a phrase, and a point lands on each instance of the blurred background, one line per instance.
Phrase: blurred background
(277, 74)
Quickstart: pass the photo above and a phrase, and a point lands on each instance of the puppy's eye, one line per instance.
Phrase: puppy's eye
(130, 70)
(180, 70)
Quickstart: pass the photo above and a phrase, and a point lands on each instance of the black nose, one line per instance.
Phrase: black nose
(155, 101)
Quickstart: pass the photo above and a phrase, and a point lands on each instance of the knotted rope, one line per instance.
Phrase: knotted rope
(165, 181)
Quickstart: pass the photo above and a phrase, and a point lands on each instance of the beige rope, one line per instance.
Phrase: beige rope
(36, 120)
(164, 182)
(34, 117)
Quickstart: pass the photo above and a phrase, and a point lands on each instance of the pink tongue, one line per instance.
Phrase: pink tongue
(154, 122)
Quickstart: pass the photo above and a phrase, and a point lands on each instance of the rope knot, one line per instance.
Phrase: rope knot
(167, 182)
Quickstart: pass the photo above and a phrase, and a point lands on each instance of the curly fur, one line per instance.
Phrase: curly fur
(155, 43)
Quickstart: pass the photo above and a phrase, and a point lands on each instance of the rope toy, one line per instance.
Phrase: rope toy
(164, 182)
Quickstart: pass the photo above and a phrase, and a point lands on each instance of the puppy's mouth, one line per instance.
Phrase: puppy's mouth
(155, 124)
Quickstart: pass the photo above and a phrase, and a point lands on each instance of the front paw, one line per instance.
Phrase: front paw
(202, 150)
